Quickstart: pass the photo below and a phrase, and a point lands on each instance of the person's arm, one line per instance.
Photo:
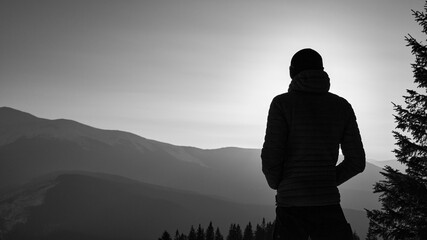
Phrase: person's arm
(352, 148)
(273, 150)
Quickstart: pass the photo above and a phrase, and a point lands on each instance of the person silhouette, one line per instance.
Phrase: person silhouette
(306, 126)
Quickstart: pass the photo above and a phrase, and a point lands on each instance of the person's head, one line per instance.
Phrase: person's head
(305, 59)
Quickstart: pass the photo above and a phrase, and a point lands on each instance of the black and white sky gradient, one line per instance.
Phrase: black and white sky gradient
(201, 73)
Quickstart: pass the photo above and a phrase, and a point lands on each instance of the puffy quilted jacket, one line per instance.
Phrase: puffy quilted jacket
(305, 129)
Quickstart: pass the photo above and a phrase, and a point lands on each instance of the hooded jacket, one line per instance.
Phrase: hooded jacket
(305, 129)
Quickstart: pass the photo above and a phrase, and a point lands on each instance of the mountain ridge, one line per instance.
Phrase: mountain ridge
(92, 149)
(5, 110)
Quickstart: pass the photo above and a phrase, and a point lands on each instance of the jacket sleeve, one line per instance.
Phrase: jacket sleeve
(352, 148)
(273, 151)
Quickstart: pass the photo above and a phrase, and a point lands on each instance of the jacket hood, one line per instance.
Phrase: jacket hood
(315, 81)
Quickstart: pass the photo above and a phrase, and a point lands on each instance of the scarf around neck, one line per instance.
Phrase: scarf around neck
(314, 81)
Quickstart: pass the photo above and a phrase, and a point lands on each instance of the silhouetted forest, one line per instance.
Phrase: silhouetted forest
(263, 231)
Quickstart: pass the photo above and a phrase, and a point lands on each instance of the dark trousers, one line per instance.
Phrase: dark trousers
(316, 222)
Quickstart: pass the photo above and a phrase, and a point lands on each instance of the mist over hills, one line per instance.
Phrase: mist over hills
(87, 206)
(32, 147)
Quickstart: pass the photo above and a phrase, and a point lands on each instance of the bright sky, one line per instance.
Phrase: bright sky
(201, 73)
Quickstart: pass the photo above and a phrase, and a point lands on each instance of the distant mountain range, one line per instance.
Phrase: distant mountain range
(40, 158)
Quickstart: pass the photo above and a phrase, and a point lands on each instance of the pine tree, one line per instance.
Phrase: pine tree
(165, 236)
(235, 232)
(404, 195)
(177, 235)
(259, 233)
(210, 232)
(192, 234)
(231, 232)
(248, 233)
(239, 235)
(200, 235)
(371, 235)
(269, 229)
(218, 235)
(182, 237)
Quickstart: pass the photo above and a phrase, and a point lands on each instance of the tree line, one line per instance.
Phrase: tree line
(263, 231)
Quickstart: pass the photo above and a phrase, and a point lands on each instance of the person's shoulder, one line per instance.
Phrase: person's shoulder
(342, 104)
(338, 98)
(282, 100)
(282, 97)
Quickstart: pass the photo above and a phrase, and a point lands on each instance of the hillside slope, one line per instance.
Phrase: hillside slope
(100, 206)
